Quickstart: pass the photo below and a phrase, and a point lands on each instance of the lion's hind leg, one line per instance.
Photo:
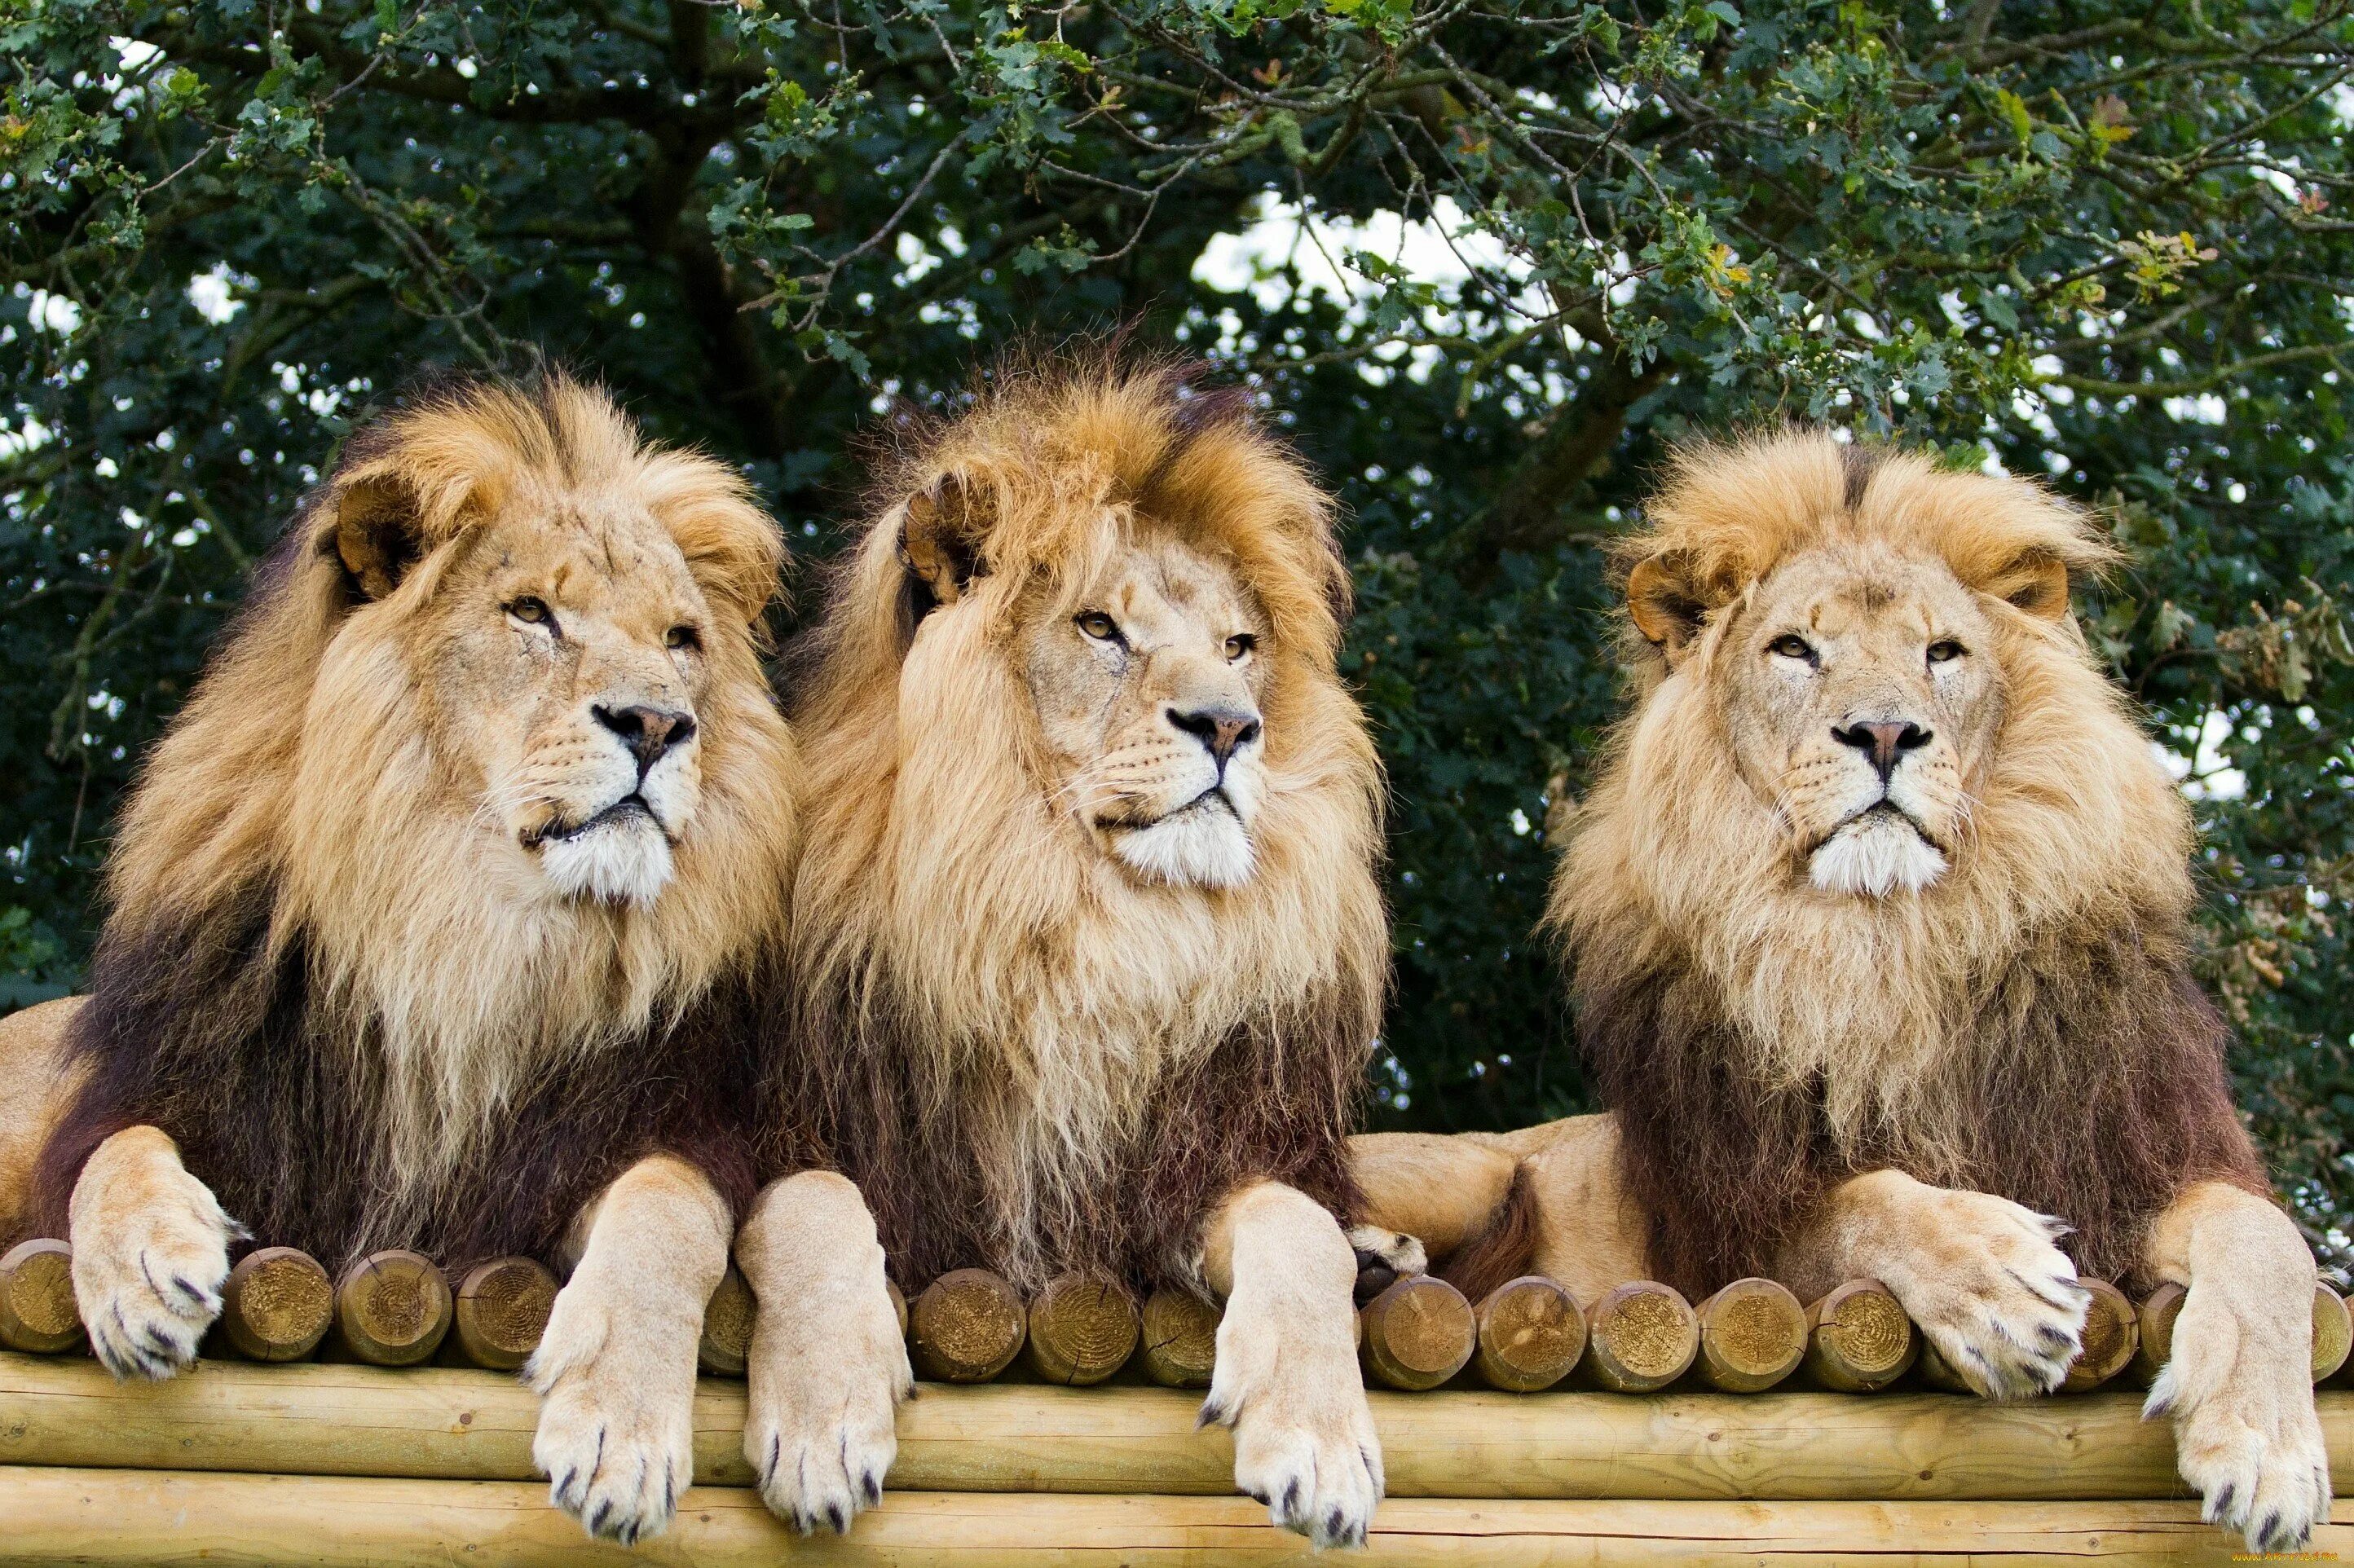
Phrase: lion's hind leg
(150, 1255)
(2240, 1383)
(828, 1367)
(616, 1367)
(1287, 1378)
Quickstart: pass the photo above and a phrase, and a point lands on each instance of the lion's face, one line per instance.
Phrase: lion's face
(1148, 702)
(1859, 695)
(563, 660)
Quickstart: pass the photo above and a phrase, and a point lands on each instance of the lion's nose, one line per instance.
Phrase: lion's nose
(1222, 729)
(1885, 741)
(647, 732)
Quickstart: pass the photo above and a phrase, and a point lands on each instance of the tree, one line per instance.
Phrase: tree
(1483, 258)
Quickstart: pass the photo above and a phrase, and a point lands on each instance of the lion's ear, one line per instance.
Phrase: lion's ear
(379, 532)
(2036, 582)
(940, 535)
(1665, 608)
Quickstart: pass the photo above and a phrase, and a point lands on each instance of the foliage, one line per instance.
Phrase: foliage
(1484, 258)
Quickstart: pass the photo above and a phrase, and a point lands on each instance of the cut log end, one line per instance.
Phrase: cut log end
(1081, 1330)
(278, 1305)
(1859, 1339)
(2333, 1333)
(727, 1345)
(2155, 1322)
(1530, 1335)
(1180, 1340)
(2111, 1337)
(1416, 1334)
(392, 1309)
(966, 1326)
(1753, 1334)
(501, 1312)
(36, 1298)
(1641, 1336)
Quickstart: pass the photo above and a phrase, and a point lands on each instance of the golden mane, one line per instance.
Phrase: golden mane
(298, 884)
(1715, 983)
(1023, 1007)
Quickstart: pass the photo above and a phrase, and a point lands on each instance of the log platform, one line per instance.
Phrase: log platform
(296, 1460)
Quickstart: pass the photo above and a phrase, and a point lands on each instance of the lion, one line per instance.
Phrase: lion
(1878, 924)
(1088, 945)
(438, 914)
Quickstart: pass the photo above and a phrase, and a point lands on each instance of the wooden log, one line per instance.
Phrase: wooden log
(1933, 1369)
(1859, 1339)
(1081, 1330)
(1416, 1334)
(36, 1298)
(1641, 1336)
(966, 1326)
(392, 1309)
(1179, 1340)
(727, 1317)
(501, 1311)
(145, 1517)
(2154, 1319)
(1530, 1335)
(2111, 1337)
(277, 1306)
(2333, 1336)
(1753, 1334)
(2333, 1333)
(464, 1425)
(899, 1306)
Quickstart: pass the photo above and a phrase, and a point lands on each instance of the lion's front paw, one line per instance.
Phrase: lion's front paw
(150, 1258)
(826, 1383)
(1384, 1257)
(1983, 1281)
(1304, 1438)
(2247, 1435)
(616, 1437)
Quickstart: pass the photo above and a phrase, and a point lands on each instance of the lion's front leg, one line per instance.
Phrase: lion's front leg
(1979, 1275)
(150, 1253)
(615, 1368)
(828, 1367)
(1287, 1378)
(2239, 1384)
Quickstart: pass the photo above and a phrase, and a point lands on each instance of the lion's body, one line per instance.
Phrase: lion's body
(378, 957)
(2026, 1023)
(1053, 1027)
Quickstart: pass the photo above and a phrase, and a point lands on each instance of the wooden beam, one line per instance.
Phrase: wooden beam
(135, 1516)
(462, 1424)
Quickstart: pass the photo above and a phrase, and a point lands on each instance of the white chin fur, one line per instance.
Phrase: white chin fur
(1876, 855)
(1205, 847)
(619, 862)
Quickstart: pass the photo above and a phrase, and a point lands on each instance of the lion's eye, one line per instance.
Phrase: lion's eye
(1792, 647)
(532, 611)
(1099, 626)
(682, 637)
(1240, 644)
(1946, 651)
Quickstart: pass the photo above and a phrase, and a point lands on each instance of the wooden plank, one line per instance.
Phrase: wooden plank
(130, 1516)
(428, 1421)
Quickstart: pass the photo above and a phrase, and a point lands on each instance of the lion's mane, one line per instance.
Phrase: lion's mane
(356, 1035)
(2027, 1026)
(1029, 1061)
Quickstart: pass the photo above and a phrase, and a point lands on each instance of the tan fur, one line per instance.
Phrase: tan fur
(616, 1367)
(2018, 971)
(2052, 807)
(397, 816)
(1023, 902)
(1051, 975)
(37, 1080)
(828, 1365)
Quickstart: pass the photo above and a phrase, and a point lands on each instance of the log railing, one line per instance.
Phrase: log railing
(329, 1459)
